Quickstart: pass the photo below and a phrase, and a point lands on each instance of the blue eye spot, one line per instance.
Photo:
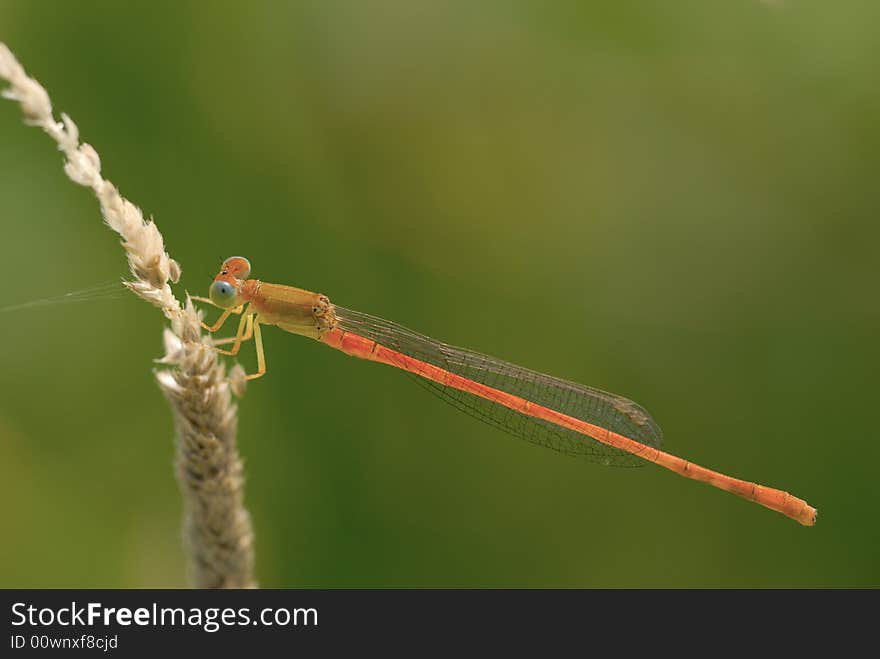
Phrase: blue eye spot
(223, 294)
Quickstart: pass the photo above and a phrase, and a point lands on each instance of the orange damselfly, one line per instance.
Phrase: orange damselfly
(565, 416)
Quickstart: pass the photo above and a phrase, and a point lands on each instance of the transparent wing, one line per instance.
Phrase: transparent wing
(601, 408)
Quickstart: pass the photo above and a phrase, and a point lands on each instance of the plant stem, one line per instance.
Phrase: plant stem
(217, 527)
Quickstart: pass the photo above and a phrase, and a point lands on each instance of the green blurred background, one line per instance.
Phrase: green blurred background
(676, 201)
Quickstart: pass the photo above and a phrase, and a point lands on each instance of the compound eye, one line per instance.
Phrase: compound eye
(237, 266)
(223, 294)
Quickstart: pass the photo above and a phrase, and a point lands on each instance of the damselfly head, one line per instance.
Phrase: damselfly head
(226, 290)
